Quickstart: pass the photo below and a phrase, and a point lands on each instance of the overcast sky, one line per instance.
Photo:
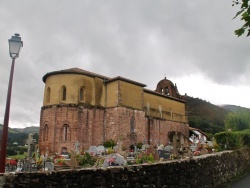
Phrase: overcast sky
(191, 42)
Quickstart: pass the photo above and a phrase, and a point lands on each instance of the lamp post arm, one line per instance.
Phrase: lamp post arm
(6, 121)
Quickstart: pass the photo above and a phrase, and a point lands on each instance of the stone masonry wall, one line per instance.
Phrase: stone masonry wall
(88, 126)
(205, 171)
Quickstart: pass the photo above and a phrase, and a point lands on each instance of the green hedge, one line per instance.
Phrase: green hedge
(233, 140)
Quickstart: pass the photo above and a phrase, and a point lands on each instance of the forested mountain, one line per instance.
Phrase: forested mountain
(19, 136)
(28, 130)
(234, 108)
(205, 116)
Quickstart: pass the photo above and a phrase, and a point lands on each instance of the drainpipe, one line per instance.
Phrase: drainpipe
(105, 113)
(148, 130)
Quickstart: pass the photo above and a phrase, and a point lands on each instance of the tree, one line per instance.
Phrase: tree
(244, 13)
(237, 121)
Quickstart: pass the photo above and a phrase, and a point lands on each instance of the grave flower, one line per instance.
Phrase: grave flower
(11, 162)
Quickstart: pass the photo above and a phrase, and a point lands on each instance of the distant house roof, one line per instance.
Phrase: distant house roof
(195, 129)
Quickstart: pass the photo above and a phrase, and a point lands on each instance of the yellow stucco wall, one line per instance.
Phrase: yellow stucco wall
(119, 93)
(112, 94)
(131, 95)
(171, 109)
(72, 82)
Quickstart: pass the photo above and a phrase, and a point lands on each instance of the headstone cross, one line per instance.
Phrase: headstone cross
(30, 142)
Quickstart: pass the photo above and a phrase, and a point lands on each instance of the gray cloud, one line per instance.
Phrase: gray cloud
(140, 40)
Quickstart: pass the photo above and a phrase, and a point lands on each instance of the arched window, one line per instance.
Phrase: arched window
(64, 92)
(48, 95)
(166, 90)
(162, 92)
(65, 132)
(132, 125)
(45, 132)
(64, 151)
(81, 94)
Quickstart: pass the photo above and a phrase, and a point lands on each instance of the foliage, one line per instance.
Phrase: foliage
(110, 151)
(18, 137)
(59, 160)
(144, 158)
(244, 14)
(109, 143)
(11, 152)
(233, 140)
(237, 121)
(205, 116)
(86, 160)
(139, 145)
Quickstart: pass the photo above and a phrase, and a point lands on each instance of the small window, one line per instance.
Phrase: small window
(45, 133)
(81, 94)
(64, 92)
(64, 151)
(48, 95)
(65, 132)
(132, 125)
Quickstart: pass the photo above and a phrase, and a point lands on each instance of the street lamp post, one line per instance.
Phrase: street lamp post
(15, 45)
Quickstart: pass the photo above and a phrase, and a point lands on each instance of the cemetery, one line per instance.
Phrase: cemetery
(171, 173)
(112, 154)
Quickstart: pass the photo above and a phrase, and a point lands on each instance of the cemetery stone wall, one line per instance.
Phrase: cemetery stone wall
(205, 171)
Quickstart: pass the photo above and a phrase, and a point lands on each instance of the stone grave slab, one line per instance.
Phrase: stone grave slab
(164, 154)
(101, 150)
(144, 147)
(93, 150)
(49, 166)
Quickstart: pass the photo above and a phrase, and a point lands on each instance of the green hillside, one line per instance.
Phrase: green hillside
(205, 116)
(10, 130)
(19, 135)
(234, 108)
(28, 130)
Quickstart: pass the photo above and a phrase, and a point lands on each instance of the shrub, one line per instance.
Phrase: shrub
(233, 140)
(109, 143)
(139, 145)
(86, 160)
(145, 158)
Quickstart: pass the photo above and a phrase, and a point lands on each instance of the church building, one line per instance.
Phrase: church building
(85, 107)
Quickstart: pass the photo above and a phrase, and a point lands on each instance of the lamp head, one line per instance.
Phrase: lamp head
(15, 45)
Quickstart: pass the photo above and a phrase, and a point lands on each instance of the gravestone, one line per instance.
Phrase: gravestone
(101, 150)
(73, 161)
(30, 165)
(120, 160)
(168, 148)
(144, 147)
(115, 147)
(114, 160)
(93, 150)
(164, 154)
(77, 144)
(30, 142)
(160, 147)
(19, 166)
(49, 166)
